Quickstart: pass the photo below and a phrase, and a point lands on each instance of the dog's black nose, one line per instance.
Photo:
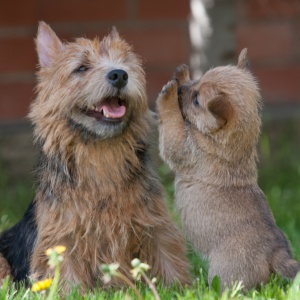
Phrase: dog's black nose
(117, 78)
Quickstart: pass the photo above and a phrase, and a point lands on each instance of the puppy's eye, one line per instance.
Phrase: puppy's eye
(195, 99)
(81, 69)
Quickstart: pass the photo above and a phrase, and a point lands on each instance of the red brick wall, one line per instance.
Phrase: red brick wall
(158, 30)
(159, 34)
(270, 29)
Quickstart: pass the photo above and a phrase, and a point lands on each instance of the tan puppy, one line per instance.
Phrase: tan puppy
(208, 136)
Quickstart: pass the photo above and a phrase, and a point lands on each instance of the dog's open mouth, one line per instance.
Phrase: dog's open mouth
(110, 109)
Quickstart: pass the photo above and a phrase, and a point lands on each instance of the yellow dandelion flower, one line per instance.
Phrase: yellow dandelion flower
(57, 249)
(41, 285)
(60, 249)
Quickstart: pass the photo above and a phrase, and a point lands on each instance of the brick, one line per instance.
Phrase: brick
(261, 9)
(173, 43)
(157, 9)
(265, 41)
(15, 99)
(17, 54)
(81, 32)
(78, 10)
(17, 13)
(163, 47)
(279, 84)
(296, 48)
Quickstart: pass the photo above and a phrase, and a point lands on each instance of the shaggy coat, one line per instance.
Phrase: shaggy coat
(97, 193)
(209, 130)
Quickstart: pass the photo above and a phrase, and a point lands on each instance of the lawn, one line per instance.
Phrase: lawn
(279, 178)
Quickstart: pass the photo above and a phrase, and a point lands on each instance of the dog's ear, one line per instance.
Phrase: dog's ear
(243, 61)
(48, 45)
(114, 34)
(221, 109)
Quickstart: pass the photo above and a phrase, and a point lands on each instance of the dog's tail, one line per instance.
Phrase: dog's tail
(284, 264)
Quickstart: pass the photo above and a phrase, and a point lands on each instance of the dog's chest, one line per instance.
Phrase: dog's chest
(105, 235)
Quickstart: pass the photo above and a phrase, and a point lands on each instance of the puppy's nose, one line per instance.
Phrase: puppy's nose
(117, 78)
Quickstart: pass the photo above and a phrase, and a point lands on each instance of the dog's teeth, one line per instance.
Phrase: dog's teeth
(105, 114)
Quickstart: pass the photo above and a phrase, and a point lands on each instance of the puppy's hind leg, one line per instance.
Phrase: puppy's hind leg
(284, 264)
(235, 265)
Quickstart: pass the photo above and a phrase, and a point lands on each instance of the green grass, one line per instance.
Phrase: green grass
(279, 178)
(14, 198)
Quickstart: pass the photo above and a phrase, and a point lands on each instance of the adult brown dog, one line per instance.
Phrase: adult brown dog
(97, 193)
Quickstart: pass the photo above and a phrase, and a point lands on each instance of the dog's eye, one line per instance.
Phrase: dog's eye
(195, 99)
(81, 69)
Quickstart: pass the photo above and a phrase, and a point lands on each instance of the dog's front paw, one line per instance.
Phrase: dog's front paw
(182, 74)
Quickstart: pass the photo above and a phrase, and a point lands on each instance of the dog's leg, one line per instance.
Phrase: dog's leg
(39, 268)
(4, 268)
(16, 246)
(171, 120)
(165, 253)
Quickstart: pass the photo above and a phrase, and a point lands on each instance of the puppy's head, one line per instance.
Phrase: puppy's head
(225, 101)
(97, 86)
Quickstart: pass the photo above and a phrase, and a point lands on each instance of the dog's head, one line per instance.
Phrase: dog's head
(224, 102)
(98, 86)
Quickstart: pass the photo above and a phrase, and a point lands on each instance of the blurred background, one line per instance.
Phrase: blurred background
(202, 33)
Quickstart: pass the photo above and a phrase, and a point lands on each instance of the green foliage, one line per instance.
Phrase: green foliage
(279, 178)
(14, 198)
(216, 285)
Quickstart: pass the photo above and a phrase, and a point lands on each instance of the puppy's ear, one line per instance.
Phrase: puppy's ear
(243, 61)
(48, 45)
(221, 109)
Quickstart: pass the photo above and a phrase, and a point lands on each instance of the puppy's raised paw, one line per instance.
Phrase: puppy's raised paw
(168, 96)
(169, 90)
(182, 74)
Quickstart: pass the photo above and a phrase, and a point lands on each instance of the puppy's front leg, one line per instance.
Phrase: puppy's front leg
(172, 136)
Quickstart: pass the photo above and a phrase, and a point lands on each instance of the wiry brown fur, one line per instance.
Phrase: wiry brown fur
(97, 193)
(4, 268)
(208, 135)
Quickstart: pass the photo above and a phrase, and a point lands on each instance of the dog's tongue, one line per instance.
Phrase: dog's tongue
(112, 108)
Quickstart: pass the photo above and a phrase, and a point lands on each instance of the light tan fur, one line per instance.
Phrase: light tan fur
(95, 195)
(209, 130)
